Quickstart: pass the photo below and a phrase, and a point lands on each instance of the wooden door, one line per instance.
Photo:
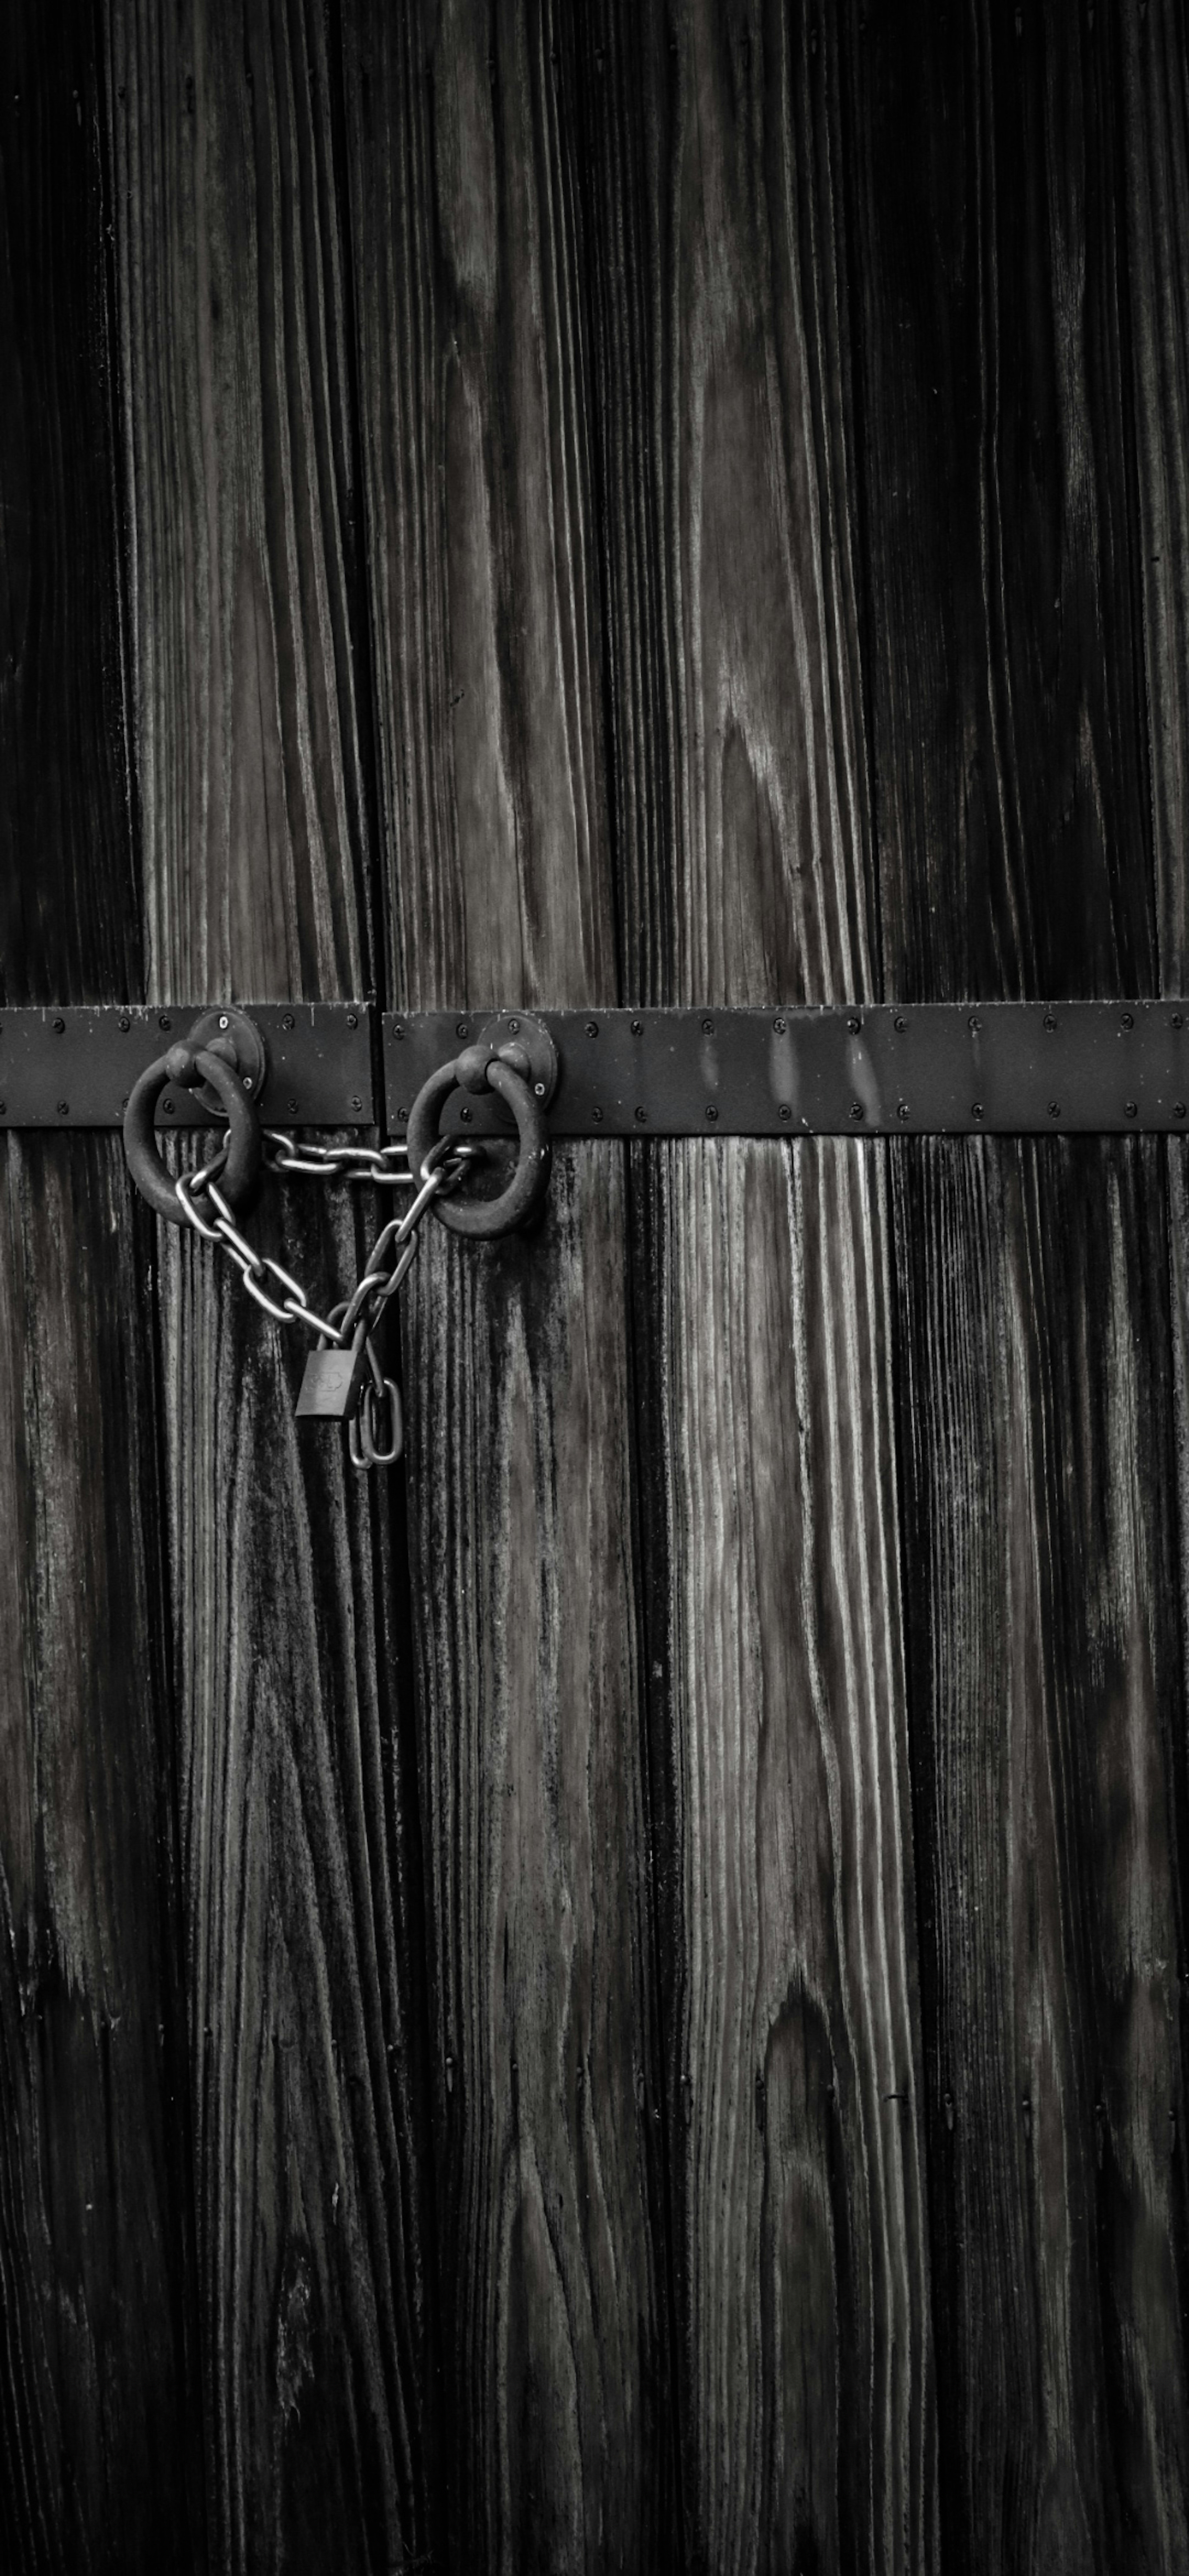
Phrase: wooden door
(613, 1998)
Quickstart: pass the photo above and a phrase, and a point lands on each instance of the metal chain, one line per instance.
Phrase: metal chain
(355, 1320)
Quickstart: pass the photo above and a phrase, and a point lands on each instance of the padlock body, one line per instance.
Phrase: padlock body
(330, 1386)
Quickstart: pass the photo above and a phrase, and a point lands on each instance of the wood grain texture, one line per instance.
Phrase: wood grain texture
(1051, 1810)
(304, 1942)
(243, 537)
(996, 485)
(70, 918)
(301, 1883)
(778, 1719)
(474, 394)
(98, 2417)
(1155, 89)
(1010, 757)
(100, 2466)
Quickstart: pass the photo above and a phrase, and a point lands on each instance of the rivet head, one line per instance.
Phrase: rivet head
(225, 1023)
(356, 1102)
(1050, 1023)
(513, 1027)
(163, 1020)
(1127, 1019)
(167, 1106)
(60, 1028)
(352, 1019)
(539, 1088)
(286, 1023)
(291, 1106)
(462, 1029)
(642, 1117)
(711, 1111)
(466, 1116)
(900, 1023)
(63, 1109)
(246, 1079)
(1178, 1019)
(125, 1024)
(402, 1117)
(902, 1109)
(976, 1109)
(1054, 1108)
(785, 1110)
(397, 1029)
(780, 1027)
(1129, 1108)
(637, 1027)
(707, 1028)
(592, 1028)
(597, 1115)
(856, 1109)
(974, 1023)
(1178, 1109)
(854, 1024)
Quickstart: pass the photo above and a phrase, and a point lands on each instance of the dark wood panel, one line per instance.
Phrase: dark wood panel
(100, 2461)
(242, 526)
(1154, 69)
(304, 1941)
(475, 394)
(763, 1334)
(995, 481)
(70, 917)
(1050, 1779)
(100, 2431)
(301, 1877)
(1005, 649)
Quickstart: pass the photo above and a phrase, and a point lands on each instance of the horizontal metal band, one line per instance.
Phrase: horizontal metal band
(75, 1068)
(941, 1068)
(949, 1068)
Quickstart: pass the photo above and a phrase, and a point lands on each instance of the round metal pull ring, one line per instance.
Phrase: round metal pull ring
(483, 1218)
(188, 1069)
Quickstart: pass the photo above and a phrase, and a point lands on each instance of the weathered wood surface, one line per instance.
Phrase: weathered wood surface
(778, 1717)
(301, 1880)
(1010, 753)
(100, 2464)
(475, 393)
(505, 503)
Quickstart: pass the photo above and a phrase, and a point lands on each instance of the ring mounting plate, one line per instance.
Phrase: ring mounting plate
(223, 1029)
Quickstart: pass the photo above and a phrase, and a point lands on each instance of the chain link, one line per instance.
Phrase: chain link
(385, 1165)
(356, 1319)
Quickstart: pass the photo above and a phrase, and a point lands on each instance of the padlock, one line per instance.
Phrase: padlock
(333, 1380)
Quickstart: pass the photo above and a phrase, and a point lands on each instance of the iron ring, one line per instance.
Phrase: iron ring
(245, 1141)
(482, 1219)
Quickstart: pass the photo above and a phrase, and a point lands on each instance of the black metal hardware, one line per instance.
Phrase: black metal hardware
(513, 1058)
(223, 1058)
(77, 1067)
(891, 1068)
(949, 1068)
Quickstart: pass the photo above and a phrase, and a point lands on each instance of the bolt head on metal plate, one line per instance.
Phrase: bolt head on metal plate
(518, 1033)
(231, 1034)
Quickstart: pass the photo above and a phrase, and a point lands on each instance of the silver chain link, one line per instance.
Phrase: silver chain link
(386, 1166)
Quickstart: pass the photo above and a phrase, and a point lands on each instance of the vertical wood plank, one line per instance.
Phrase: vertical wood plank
(777, 1716)
(238, 448)
(1155, 82)
(70, 919)
(99, 2464)
(1156, 160)
(300, 1849)
(475, 393)
(1010, 756)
